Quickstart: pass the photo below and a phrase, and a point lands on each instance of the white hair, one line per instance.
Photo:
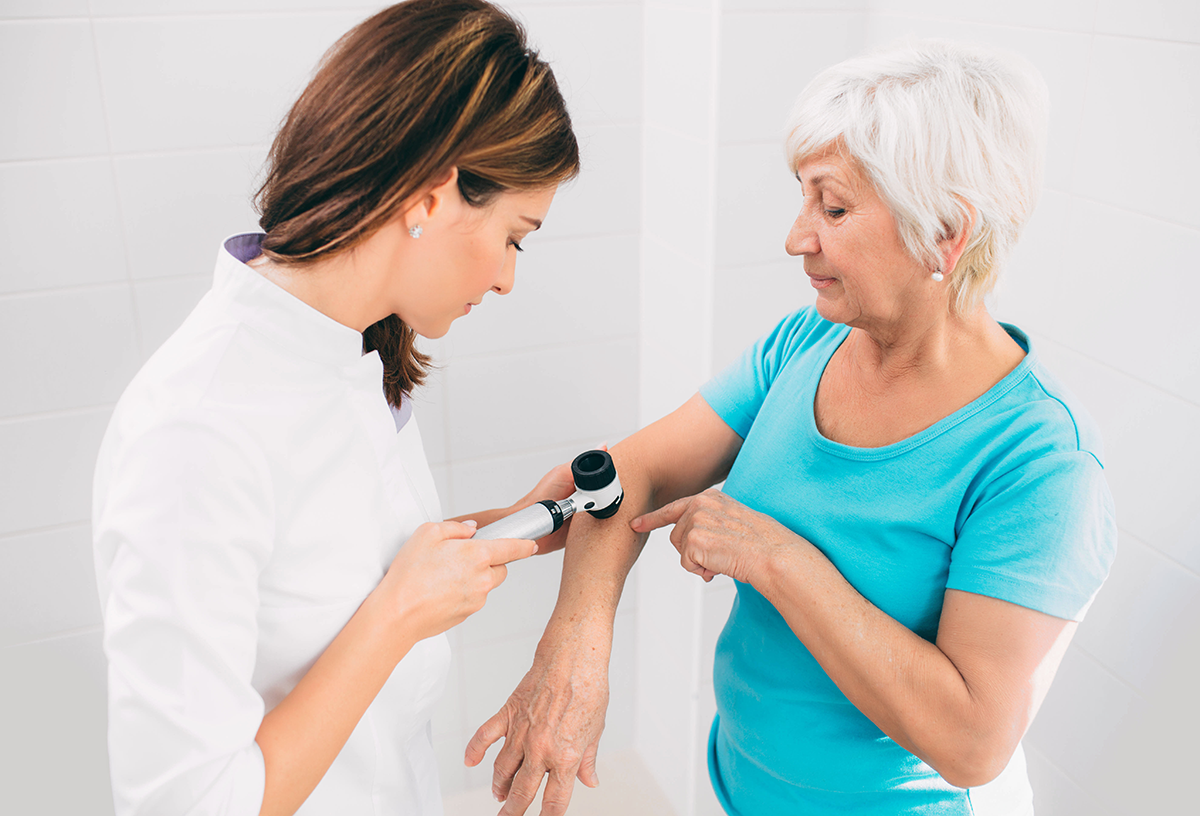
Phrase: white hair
(939, 128)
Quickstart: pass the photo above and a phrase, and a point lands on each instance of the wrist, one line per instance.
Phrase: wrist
(575, 638)
(395, 627)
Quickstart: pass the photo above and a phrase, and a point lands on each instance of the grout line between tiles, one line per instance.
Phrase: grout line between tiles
(51, 528)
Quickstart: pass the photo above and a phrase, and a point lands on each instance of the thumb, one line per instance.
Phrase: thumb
(587, 768)
(485, 737)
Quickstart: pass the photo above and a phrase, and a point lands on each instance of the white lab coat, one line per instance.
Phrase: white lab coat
(251, 490)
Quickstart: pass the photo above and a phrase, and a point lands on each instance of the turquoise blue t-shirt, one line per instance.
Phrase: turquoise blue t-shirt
(1005, 498)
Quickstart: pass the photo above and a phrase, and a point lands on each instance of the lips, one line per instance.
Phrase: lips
(819, 282)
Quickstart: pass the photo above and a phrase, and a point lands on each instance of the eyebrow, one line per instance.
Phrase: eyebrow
(823, 178)
(536, 224)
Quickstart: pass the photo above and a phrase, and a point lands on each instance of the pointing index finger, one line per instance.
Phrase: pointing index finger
(667, 514)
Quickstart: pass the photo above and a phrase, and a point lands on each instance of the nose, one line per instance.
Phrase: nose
(508, 274)
(802, 238)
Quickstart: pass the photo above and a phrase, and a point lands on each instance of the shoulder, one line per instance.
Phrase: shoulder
(1042, 412)
(798, 332)
(181, 397)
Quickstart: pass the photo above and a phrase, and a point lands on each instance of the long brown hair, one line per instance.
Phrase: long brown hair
(420, 87)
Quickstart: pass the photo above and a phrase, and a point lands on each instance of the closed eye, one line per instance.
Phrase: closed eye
(514, 243)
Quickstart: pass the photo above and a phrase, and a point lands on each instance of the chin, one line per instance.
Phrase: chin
(828, 310)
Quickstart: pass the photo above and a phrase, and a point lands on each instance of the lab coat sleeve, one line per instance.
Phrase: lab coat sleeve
(186, 528)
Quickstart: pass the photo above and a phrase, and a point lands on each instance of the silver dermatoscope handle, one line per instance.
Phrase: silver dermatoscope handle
(597, 490)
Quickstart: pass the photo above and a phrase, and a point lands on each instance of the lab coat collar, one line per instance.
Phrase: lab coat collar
(281, 315)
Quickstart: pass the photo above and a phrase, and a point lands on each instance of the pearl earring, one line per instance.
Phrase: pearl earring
(415, 231)
(937, 275)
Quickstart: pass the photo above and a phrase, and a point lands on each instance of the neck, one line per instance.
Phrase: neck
(333, 286)
(933, 348)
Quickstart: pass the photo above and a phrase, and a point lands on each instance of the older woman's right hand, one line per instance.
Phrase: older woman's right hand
(441, 576)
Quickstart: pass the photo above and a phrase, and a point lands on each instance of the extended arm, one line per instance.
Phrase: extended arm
(553, 721)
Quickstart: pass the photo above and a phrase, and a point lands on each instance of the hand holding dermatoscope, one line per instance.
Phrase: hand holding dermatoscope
(597, 490)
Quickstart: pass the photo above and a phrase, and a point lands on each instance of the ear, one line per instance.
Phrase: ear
(953, 246)
(433, 200)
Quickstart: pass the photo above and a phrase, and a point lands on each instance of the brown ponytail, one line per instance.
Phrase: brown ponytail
(420, 87)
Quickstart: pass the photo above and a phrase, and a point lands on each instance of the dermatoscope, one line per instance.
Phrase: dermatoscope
(597, 490)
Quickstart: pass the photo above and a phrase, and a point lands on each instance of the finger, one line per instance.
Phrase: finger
(688, 564)
(504, 550)
(485, 737)
(557, 795)
(667, 514)
(499, 573)
(587, 767)
(456, 529)
(524, 788)
(508, 764)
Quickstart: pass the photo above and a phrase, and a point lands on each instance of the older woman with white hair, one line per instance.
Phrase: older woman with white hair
(914, 509)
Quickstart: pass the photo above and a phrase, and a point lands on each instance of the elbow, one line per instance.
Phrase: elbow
(974, 765)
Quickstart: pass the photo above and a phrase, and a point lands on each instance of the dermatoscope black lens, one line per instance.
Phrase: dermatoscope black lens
(593, 470)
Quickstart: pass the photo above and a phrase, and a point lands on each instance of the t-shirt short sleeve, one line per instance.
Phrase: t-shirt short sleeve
(737, 393)
(1042, 536)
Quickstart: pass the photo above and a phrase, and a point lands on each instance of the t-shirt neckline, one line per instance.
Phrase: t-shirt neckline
(996, 392)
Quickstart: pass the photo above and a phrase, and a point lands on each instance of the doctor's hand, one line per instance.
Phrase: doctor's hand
(717, 535)
(441, 575)
(556, 485)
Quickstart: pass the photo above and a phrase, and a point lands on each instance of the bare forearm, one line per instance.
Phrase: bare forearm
(903, 683)
(680, 454)
(302, 735)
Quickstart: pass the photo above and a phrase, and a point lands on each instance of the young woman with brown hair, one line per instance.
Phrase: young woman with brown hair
(273, 569)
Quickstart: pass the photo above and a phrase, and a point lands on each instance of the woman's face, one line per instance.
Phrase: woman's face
(853, 255)
(463, 253)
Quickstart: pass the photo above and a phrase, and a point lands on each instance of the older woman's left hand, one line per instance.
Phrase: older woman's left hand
(716, 535)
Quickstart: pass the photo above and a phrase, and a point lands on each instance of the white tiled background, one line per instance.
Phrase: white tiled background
(131, 135)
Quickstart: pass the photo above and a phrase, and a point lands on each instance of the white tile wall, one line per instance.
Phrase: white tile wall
(171, 8)
(566, 290)
(498, 481)
(675, 334)
(46, 471)
(47, 584)
(1068, 729)
(54, 721)
(1055, 793)
(1121, 264)
(163, 304)
(677, 192)
(1071, 15)
(680, 46)
(68, 208)
(1140, 120)
(1124, 630)
(176, 208)
(604, 199)
(535, 399)
(213, 83)
(1159, 19)
(66, 350)
(766, 60)
(60, 114)
(17, 9)
(757, 201)
(596, 53)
